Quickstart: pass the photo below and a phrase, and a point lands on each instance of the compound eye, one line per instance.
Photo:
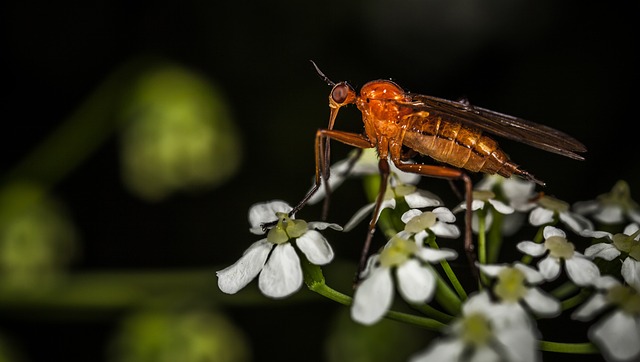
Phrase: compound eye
(340, 92)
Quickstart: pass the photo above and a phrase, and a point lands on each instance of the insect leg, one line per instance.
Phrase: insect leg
(322, 163)
(449, 174)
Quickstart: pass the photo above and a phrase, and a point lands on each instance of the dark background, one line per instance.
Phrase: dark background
(571, 65)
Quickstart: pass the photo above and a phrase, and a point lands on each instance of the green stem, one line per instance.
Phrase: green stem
(495, 238)
(462, 294)
(573, 348)
(316, 283)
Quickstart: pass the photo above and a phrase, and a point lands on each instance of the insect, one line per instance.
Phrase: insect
(400, 124)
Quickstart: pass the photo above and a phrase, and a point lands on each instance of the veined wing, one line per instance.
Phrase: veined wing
(514, 128)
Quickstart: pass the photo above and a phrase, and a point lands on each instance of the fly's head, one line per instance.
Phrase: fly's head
(341, 95)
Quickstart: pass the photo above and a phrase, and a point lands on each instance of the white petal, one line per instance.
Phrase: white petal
(549, 268)
(618, 336)
(501, 207)
(373, 297)
(605, 251)
(265, 212)
(631, 272)
(319, 225)
(415, 283)
(595, 234)
(443, 230)
(484, 353)
(436, 255)
(531, 248)
(542, 304)
(576, 222)
(519, 343)
(531, 275)
(631, 228)
(410, 214)
(447, 350)
(540, 216)
(238, 275)
(282, 275)
(582, 271)
(634, 215)
(609, 214)
(359, 216)
(550, 231)
(338, 174)
(491, 270)
(590, 308)
(444, 214)
(315, 247)
(422, 198)
(586, 207)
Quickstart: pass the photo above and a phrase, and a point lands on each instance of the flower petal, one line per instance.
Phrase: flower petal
(542, 304)
(519, 343)
(320, 225)
(491, 270)
(265, 212)
(422, 198)
(531, 275)
(501, 207)
(549, 268)
(443, 230)
(540, 216)
(359, 216)
(576, 222)
(445, 350)
(238, 275)
(315, 247)
(436, 255)
(550, 231)
(631, 272)
(415, 283)
(617, 335)
(605, 251)
(581, 271)
(531, 248)
(282, 275)
(373, 297)
(590, 308)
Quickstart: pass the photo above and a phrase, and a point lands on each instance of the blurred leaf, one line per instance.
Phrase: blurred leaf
(179, 134)
(166, 336)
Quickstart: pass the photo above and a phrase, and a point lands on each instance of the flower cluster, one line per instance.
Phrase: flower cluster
(566, 265)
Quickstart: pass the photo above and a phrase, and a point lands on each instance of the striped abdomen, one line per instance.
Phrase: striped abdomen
(458, 145)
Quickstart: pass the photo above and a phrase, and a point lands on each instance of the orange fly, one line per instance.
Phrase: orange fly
(400, 124)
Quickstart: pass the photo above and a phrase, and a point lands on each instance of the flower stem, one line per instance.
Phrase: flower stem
(315, 282)
(462, 294)
(573, 348)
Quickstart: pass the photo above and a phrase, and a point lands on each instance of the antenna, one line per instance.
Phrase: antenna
(322, 76)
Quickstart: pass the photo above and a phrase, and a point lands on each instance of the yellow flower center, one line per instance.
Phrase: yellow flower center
(551, 203)
(287, 228)
(423, 221)
(628, 244)
(476, 330)
(559, 247)
(397, 252)
(625, 298)
(483, 195)
(510, 286)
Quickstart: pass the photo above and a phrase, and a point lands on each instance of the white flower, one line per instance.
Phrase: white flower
(580, 269)
(414, 197)
(273, 257)
(439, 222)
(516, 192)
(549, 208)
(628, 242)
(366, 164)
(486, 332)
(613, 207)
(618, 332)
(514, 285)
(484, 200)
(416, 280)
